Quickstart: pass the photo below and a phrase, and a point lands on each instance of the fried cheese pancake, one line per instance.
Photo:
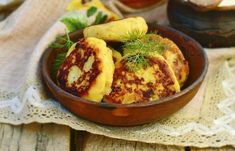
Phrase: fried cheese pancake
(147, 84)
(116, 55)
(120, 30)
(88, 70)
(176, 59)
(173, 55)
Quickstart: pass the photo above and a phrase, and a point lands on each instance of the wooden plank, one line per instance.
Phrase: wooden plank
(97, 142)
(226, 148)
(77, 140)
(34, 137)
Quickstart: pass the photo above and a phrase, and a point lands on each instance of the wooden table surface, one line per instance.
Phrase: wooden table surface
(52, 137)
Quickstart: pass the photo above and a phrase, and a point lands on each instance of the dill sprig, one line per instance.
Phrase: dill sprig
(133, 35)
(146, 45)
(136, 51)
(136, 62)
(62, 42)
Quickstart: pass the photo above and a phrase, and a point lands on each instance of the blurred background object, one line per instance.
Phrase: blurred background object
(203, 4)
(7, 6)
(211, 26)
(210, 22)
(139, 4)
(151, 10)
(124, 8)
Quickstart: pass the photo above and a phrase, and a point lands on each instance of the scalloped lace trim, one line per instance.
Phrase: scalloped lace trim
(31, 97)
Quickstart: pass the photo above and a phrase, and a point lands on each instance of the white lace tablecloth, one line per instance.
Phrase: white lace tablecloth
(208, 120)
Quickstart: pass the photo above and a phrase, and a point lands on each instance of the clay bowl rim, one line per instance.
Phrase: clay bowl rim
(57, 89)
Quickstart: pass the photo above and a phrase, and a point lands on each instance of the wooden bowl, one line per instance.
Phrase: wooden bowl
(211, 28)
(133, 114)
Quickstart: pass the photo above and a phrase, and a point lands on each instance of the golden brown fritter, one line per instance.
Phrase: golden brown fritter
(172, 54)
(120, 30)
(116, 55)
(176, 60)
(147, 84)
(88, 70)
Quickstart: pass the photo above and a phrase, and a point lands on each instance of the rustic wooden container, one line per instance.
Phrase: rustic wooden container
(212, 27)
(133, 114)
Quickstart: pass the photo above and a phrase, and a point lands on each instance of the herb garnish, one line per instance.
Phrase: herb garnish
(133, 35)
(100, 18)
(136, 51)
(136, 62)
(61, 42)
(91, 11)
(74, 21)
(58, 62)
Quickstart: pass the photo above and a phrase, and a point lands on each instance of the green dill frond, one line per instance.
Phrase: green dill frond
(132, 47)
(137, 50)
(62, 42)
(68, 43)
(146, 45)
(58, 43)
(58, 61)
(136, 62)
(133, 35)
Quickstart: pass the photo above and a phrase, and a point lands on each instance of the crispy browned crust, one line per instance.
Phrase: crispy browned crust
(179, 65)
(143, 92)
(78, 57)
